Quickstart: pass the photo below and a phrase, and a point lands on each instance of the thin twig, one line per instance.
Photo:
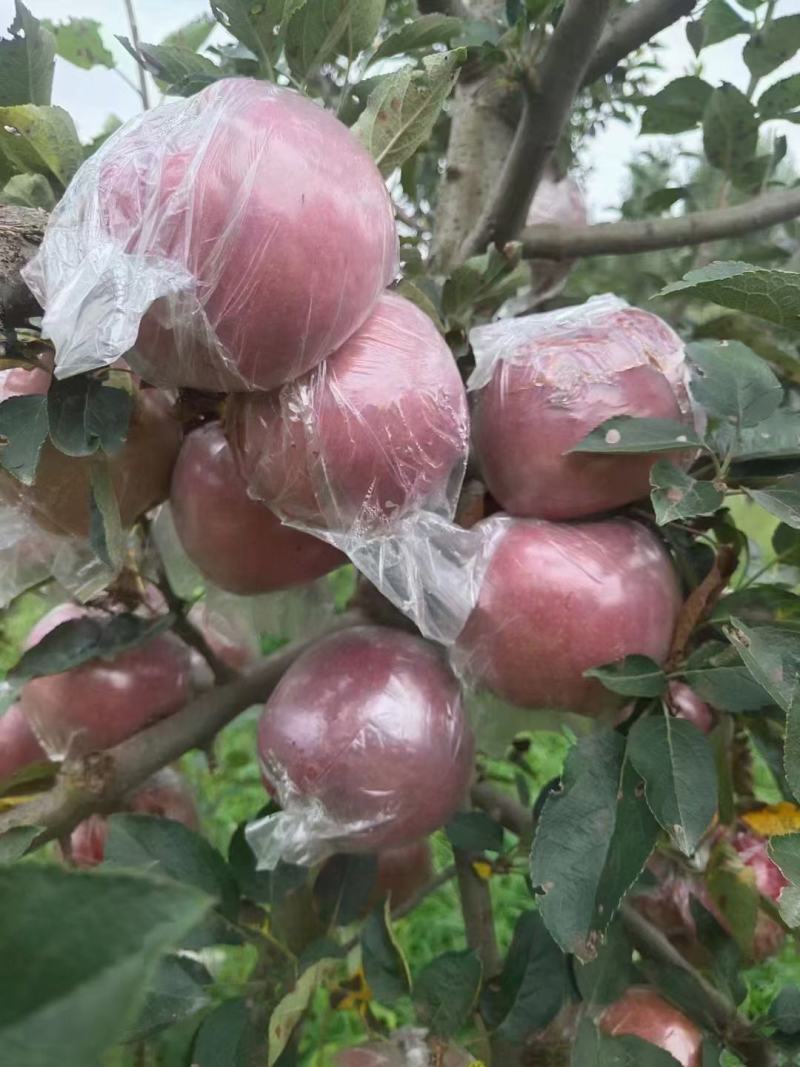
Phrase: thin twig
(476, 907)
(634, 26)
(144, 92)
(193, 637)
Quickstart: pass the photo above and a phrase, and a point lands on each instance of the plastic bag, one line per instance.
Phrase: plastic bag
(236, 238)
(559, 202)
(366, 746)
(544, 381)
(408, 1047)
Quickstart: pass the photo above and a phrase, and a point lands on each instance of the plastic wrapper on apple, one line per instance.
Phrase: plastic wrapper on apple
(543, 382)
(407, 1047)
(557, 201)
(230, 240)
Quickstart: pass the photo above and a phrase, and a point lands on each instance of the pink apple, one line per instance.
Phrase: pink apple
(752, 851)
(19, 748)
(686, 704)
(643, 1013)
(560, 202)
(557, 599)
(378, 430)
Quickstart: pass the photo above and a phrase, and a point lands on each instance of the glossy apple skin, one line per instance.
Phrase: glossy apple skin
(235, 541)
(558, 599)
(686, 704)
(369, 724)
(141, 471)
(166, 794)
(377, 430)
(642, 1013)
(19, 747)
(547, 393)
(277, 214)
(752, 851)
(101, 703)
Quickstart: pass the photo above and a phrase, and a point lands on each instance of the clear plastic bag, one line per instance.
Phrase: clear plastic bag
(235, 238)
(366, 746)
(542, 382)
(558, 201)
(407, 1047)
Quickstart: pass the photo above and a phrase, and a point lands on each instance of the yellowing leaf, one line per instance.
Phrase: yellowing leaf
(482, 869)
(773, 820)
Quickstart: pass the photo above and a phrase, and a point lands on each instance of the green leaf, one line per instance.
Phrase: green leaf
(27, 61)
(87, 415)
(634, 676)
(661, 199)
(79, 42)
(604, 979)
(40, 139)
(80, 640)
(106, 535)
(484, 281)
(676, 762)
(253, 22)
(344, 887)
(475, 831)
(323, 29)
(781, 499)
(177, 70)
(786, 543)
(28, 190)
(717, 675)
(770, 294)
(780, 99)
(226, 1037)
(677, 107)
(778, 438)
(446, 992)
(625, 434)
(23, 432)
(191, 35)
(759, 604)
(593, 1049)
(731, 381)
(784, 1011)
(730, 129)
(696, 35)
(294, 1005)
(385, 967)
(15, 843)
(177, 991)
(420, 32)
(733, 888)
(721, 22)
(676, 495)
(403, 108)
(97, 962)
(772, 45)
(785, 852)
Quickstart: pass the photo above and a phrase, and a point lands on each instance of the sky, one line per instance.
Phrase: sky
(91, 96)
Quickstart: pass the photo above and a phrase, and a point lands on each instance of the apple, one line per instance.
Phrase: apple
(249, 224)
(235, 541)
(104, 701)
(365, 743)
(686, 704)
(19, 746)
(752, 851)
(558, 599)
(165, 794)
(557, 201)
(545, 381)
(380, 429)
(405, 1048)
(59, 499)
(643, 1013)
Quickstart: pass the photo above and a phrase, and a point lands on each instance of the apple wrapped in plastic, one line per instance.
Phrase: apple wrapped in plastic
(58, 501)
(378, 431)
(557, 201)
(235, 541)
(543, 382)
(641, 1012)
(558, 599)
(19, 746)
(366, 745)
(244, 229)
(102, 702)
(166, 795)
(405, 1048)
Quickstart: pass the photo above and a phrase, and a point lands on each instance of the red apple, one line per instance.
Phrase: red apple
(556, 600)
(235, 541)
(752, 851)
(140, 471)
(19, 747)
(365, 743)
(561, 202)
(227, 636)
(642, 1013)
(686, 704)
(258, 221)
(545, 381)
(102, 702)
(166, 794)
(378, 430)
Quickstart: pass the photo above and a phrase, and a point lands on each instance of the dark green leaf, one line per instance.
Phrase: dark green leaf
(730, 129)
(696, 35)
(475, 831)
(786, 544)
(736, 897)
(80, 640)
(176, 992)
(624, 434)
(785, 852)
(731, 381)
(87, 415)
(717, 675)
(484, 280)
(253, 23)
(403, 108)
(23, 432)
(781, 499)
(721, 22)
(79, 42)
(604, 979)
(446, 992)
(772, 45)
(759, 604)
(106, 535)
(262, 887)
(784, 1011)
(771, 294)
(677, 764)
(40, 139)
(28, 190)
(676, 495)
(323, 29)
(294, 1005)
(27, 61)
(780, 99)
(14, 843)
(420, 32)
(677, 107)
(344, 887)
(634, 676)
(226, 1037)
(385, 966)
(777, 438)
(191, 35)
(176, 69)
(661, 199)
(101, 935)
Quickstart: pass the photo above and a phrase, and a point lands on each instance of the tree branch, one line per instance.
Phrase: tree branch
(21, 232)
(476, 907)
(633, 27)
(97, 782)
(143, 91)
(549, 94)
(648, 235)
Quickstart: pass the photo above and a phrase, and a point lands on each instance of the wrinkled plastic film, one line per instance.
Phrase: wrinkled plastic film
(560, 202)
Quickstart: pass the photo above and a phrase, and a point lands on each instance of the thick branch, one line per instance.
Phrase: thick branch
(647, 235)
(550, 92)
(99, 781)
(21, 232)
(633, 27)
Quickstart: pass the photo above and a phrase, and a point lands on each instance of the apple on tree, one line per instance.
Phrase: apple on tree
(558, 201)
(642, 1012)
(19, 746)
